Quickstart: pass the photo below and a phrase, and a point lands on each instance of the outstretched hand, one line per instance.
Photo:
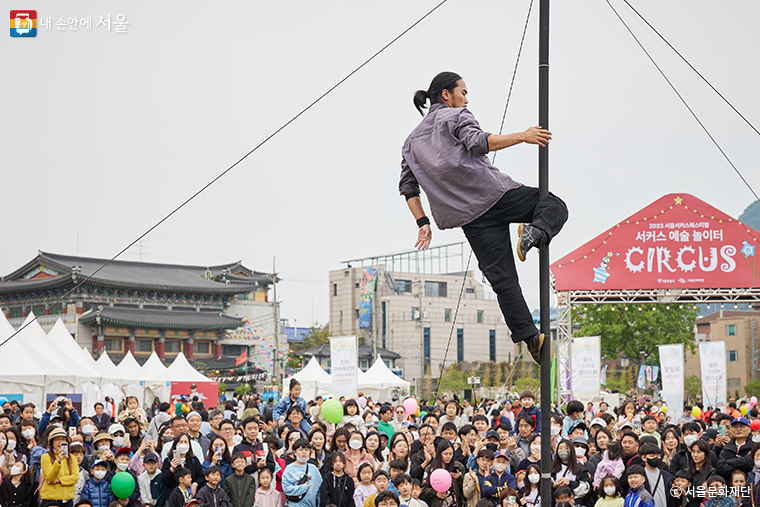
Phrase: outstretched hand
(424, 237)
(537, 135)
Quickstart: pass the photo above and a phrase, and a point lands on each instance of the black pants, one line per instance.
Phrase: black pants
(490, 241)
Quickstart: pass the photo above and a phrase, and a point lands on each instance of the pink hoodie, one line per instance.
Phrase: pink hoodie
(608, 467)
(271, 498)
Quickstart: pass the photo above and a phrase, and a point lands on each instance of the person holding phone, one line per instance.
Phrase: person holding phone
(146, 446)
(60, 472)
(259, 454)
(181, 455)
(218, 455)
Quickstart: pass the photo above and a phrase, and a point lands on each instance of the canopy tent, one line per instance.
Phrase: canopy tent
(313, 379)
(155, 379)
(382, 385)
(63, 346)
(129, 370)
(188, 381)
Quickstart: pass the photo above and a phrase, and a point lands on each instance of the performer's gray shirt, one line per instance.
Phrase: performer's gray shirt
(447, 155)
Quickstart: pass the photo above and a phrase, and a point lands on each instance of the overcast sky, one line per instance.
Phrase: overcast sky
(105, 133)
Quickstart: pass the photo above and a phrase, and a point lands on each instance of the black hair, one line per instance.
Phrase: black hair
(614, 450)
(443, 445)
(629, 434)
(293, 383)
(300, 444)
(94, 406)
(636, 470)
(378, 474)
(449, 426)
(336, 456)
(294, 408)
(212, 469)
(401, 479)
(480, 417)
(527, 418)
(381, 497)
(572, 461)
(485, 453)
(351, 403)
(266, 469)
(564, 491)
(715, 478)
(691, 426)
(464, 430)
(649, 449)
(226, 421)
(248, 420)
(362, 467)
(574, 406)
(484, 502)
(684, 474)
(443, 81)
(705, 448)
(649, 418)
(84, 501)
(181, 472)
(398, 464)
(384, 409)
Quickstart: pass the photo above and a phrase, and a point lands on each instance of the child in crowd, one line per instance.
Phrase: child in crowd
(338, 487)
(365, 488)
(380, 480)
(717, 496)
(403, 483)
(211, 494)
(240, 486)
(416, 490)
(267, 495)
(150, 484)
(98, 489)
(611, 464)
(183, 492)
(637, 495)
(15, 491)
(610, 493)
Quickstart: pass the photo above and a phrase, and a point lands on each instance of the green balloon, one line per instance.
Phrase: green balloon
(122, 485)
(332, 410)
(422, 414)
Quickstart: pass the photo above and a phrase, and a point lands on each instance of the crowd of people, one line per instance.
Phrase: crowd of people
(254, 452)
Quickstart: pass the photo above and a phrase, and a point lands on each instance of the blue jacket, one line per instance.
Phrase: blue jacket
(493, 485)
(294, 473)
(98, 492)
(284, 405)
(224, 466)
(45, 420)
(639, 498)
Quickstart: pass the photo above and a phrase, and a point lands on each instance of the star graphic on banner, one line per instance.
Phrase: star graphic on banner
(678, 200)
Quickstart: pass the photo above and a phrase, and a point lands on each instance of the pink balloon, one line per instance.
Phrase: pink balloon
(410, 405)
(753, 400)
(362, 401)
(440, 480)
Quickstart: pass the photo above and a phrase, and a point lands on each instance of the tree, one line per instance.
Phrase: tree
(753, 388)
(529, 384)
(627, 379)
(751, 215)
(633, 329)
(692, 387)
(314, 338)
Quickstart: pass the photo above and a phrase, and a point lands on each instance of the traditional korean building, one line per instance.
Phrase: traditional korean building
(141, 307)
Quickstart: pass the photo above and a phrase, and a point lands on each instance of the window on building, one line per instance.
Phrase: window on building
(38, 310)
(329, 363)
(56, 309)
(114, 344)
(731, 330)
(469, 291)
(17, 313)
(144, 346)
(435, 289)
(346, 273)
(335, 289)
(172, 347)
(480, 316)
(232, 350)
(387, 363)
(202, 347)
(363, 364)
(733, 355)
(447, 315)
(403, 285)
(86, 307)
(460, 345)
(356, 285)
(492, 345)
(415, 314)
(356, 312)
(426, 350)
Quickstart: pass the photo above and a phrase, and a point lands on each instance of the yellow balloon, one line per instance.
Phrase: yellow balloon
(696, 411)
(664, 408)
(743, 409)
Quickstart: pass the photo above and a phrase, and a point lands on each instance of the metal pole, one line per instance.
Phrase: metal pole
(543, 191)
(753, 349)
(276, 368)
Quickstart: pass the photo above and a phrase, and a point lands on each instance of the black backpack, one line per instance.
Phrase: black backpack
(302, 480)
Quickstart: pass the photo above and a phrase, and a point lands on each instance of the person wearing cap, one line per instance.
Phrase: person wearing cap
(98, 488)
(60, 471)
(595, 425)
(578, 429)
(734, 454)
(496, 485)
(117, 433)
(150, 483)
(581, 449)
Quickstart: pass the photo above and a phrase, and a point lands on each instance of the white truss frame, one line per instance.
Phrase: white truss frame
(566, 299)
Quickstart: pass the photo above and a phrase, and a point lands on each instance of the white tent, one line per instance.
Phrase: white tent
(107, 370)
(382, 384)
(63, 346)
(156, 382)
(182, 371)
(313, 379)
(129, 370)
(20, 373)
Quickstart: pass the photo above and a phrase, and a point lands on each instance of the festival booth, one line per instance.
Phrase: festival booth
(107, 369)
(129, 370)
(23, 377)
(313, 379)
(678, 250)
(382, 385)
(155, 380)
(188, 381)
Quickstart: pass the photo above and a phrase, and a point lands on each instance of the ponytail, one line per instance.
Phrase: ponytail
(443, 81)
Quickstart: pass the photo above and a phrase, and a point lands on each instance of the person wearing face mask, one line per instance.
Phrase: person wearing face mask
(530, 494)
(184, 458)
(26, 438)
(89, 430)
(534, 457)
(122, 465)
(692, 432)
(98, 489)
(566, 471)
(15, 491)
(301, 480)
(356, 454)
(117, 436)
(495, 486)
(658, 481)
(581, 448)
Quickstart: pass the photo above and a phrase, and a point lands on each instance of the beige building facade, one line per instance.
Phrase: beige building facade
(741, 331)
(413, 315)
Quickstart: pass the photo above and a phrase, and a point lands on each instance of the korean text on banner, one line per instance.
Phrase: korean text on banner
(642, 380)
(672, 364)
(586, 367)
(367, 289)
(344, 368)
(712, 360)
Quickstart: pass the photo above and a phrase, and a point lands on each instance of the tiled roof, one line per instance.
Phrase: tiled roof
(225, 278)
(162, 319)
(365, 352)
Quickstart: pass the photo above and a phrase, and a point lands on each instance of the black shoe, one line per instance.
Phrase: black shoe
(534, 346)
(530, 237)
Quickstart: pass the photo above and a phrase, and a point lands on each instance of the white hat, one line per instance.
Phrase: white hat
(116, 427)
(599, 421)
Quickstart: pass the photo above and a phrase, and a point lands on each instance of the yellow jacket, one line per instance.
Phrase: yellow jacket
(52, 472)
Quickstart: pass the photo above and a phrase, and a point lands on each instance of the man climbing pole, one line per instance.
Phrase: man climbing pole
(447, 155)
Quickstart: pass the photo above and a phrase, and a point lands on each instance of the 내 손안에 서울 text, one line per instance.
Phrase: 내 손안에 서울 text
(115, 24)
